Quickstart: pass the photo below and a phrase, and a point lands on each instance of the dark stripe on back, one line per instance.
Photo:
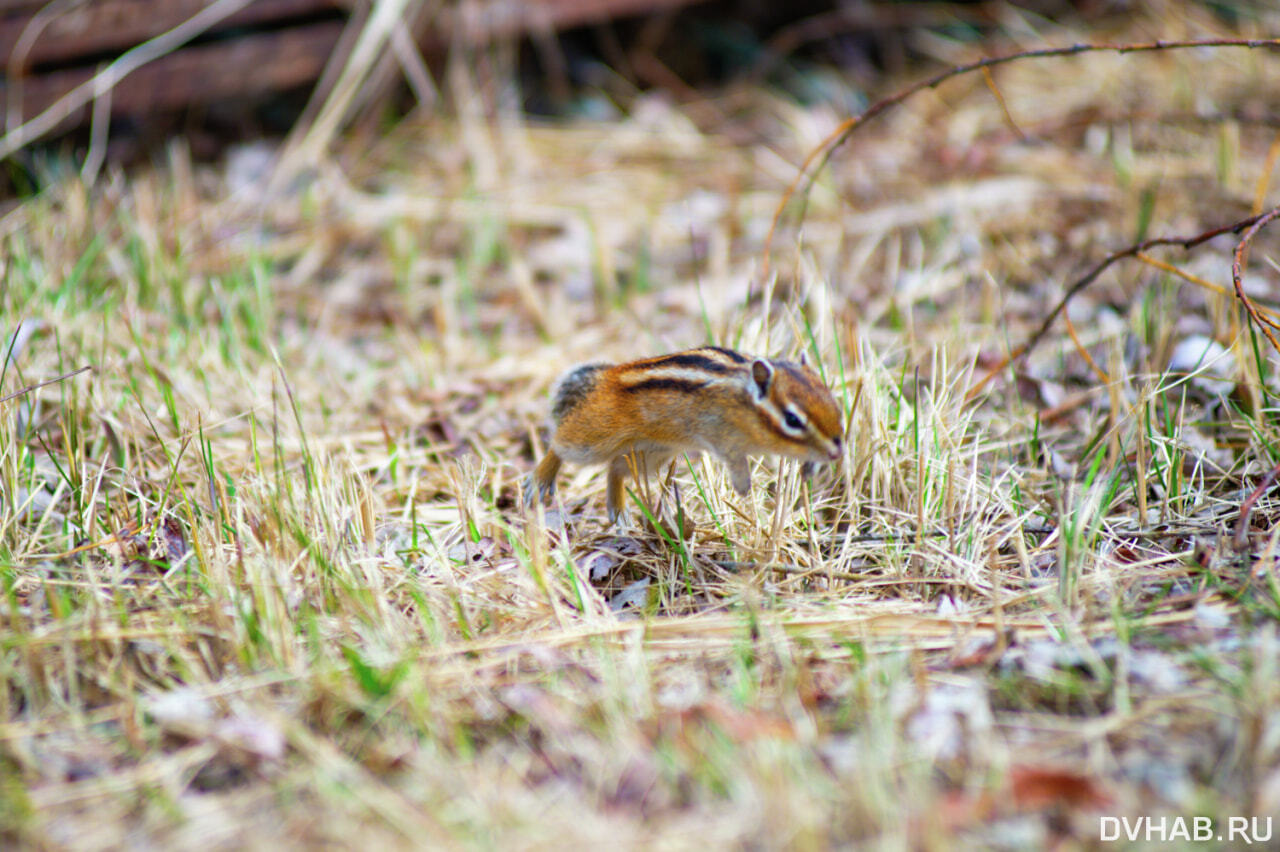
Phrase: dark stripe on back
(691, 359)
(728, 353)
(681, 385)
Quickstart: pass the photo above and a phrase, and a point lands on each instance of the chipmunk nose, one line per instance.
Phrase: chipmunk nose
(834, 452)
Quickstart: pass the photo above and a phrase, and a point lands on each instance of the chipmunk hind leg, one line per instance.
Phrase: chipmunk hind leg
(541, 484)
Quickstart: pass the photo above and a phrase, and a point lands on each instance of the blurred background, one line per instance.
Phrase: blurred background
(111, 79)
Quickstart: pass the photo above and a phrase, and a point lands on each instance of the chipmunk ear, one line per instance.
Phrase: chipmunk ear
(761, 375)
(804, 358)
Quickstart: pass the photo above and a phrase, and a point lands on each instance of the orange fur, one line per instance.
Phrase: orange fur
(702, 400)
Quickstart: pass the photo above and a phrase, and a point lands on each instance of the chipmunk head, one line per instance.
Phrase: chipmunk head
(798, 409)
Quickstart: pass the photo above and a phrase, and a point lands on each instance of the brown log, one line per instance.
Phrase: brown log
(498, 19)
(270, 45)
(243, 67)
(113, 26)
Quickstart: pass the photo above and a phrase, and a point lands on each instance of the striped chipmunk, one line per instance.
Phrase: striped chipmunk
(709, 399)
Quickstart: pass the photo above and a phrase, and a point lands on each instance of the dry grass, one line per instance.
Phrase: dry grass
(266, 581)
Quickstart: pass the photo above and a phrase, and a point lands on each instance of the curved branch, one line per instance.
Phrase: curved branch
(1237, 275)
(846, 128)
(1253, 224)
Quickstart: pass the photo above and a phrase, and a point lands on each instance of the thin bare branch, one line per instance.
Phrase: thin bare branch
(29, 388)
(836, 138)
(1237, 276)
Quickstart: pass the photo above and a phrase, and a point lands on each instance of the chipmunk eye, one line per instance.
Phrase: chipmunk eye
(793, 422)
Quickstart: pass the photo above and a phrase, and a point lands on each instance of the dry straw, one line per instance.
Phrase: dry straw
(265, 575)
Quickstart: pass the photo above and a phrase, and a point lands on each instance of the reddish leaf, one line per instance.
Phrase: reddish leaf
(1035, 788)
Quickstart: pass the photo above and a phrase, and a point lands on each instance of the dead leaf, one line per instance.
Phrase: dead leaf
(1210, 365)
(253, 736)
(1036, 788)
(634, 596)
(182, 706)
(1041, 393)
(474, 552)
(746, 724)
(599, 564)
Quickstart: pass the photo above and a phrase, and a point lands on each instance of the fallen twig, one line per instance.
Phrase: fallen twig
(1237, 276)
(1101, 266)
(1241, 537)
(1131, 251)
(824, 149)
(54, 380)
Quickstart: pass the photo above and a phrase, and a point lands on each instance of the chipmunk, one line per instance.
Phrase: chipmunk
(711, 399)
